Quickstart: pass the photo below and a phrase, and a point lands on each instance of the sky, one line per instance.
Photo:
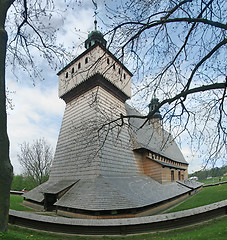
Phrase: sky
(37, 111)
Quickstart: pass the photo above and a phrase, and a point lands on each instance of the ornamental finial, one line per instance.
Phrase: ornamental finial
(95, 13)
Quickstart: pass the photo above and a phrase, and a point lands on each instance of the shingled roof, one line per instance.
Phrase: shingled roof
(147, 137)
(115, 184)
(105, 193)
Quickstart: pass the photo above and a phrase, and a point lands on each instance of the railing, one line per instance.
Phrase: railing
(214, 184)
(16, 192)
(121, 225)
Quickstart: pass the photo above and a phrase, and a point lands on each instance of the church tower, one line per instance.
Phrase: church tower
(92, 150)
(95, 87)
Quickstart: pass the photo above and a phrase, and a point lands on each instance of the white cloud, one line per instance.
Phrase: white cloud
(37, 110)
(37, 114)
(195, 163)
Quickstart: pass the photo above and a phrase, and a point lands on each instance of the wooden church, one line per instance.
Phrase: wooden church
(105, 168)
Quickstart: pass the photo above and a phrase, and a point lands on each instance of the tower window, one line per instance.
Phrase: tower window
(86, 60)
(79, 65)
(67, 75)
(108, 61)
(73, 70)
(172, 176)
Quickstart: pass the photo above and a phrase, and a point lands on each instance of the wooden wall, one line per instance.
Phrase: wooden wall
(157, 171)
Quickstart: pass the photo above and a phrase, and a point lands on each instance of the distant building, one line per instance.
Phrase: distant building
(105, 168)
(194, 178)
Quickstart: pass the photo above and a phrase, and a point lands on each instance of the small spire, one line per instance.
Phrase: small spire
(95, 22)
(95, 12)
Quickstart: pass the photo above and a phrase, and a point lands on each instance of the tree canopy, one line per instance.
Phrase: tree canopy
(176, 50)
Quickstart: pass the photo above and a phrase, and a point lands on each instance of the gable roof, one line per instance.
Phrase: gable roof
(148, 138)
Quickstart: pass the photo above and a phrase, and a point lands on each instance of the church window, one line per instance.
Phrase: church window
(119, 71)
(172, 176)
(86, 60)
(79, 65)
(124, 76)
(73, 70)
(114, 66)
(67, 75)
(108, 61)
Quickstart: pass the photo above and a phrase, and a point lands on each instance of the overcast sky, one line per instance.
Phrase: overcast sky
(37, 110)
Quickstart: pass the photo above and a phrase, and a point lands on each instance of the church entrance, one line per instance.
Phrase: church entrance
(49, 200)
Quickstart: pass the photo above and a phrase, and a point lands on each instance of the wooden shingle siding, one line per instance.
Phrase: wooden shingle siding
(81, 149)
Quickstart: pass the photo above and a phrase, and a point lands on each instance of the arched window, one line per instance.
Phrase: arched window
(108, 61)
(124, 76)
(73, 70)
(79, 65)
(86, 60)
(119, 71)
(67, 75)
(114, 66)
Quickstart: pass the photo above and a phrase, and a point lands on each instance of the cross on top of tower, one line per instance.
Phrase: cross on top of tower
(95, 36)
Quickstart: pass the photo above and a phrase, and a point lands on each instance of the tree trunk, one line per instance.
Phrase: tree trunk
(6, 170)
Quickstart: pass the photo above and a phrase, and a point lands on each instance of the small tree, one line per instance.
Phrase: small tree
(36, 160)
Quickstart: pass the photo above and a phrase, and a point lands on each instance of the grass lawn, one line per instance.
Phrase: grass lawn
(213, 230)
(15, 203)
(206, 196)
(213, 180)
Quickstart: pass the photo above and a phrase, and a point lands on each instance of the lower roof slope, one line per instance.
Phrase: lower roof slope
(109, 192)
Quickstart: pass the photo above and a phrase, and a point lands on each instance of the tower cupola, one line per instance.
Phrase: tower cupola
(95, 37)
(156, 119)
(152, 106)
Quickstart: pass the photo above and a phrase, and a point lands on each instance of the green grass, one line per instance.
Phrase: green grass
(15, 203)
(213, 230)
(206, 196)
(213, 180)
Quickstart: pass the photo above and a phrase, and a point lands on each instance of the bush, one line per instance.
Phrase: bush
(20, 182)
